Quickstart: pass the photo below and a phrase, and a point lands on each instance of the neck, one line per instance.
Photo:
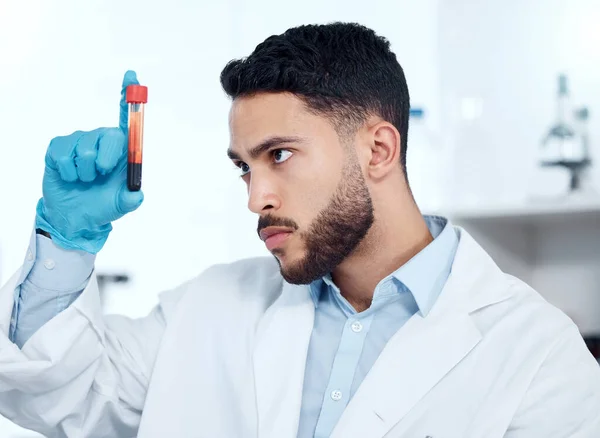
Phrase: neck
(398, 234)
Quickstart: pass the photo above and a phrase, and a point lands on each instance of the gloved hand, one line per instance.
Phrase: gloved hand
(85, 184)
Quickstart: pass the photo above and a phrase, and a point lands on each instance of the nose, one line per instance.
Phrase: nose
(262, 196)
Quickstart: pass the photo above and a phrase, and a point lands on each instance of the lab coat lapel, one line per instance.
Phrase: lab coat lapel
(279, 361)
(426, 348)
(412, 363)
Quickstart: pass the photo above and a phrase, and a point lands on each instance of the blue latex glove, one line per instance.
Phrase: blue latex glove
(85, 184)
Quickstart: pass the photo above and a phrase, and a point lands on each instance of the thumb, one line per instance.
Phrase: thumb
(130, 78)
(128, 201)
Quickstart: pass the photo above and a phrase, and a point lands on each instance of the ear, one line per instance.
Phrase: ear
(384, 140)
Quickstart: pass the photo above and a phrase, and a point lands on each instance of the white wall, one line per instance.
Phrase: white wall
(67, 77)
(503, 58)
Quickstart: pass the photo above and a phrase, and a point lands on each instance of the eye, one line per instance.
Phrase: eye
(281, 155)
(243, 167)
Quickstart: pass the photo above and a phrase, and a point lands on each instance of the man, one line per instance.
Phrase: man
(371, 320)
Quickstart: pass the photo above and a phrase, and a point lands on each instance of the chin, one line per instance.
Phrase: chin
(299, 272)
(296, 277)
(291, 268)
(285, 259)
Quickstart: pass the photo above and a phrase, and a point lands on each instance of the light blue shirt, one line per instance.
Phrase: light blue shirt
(344, 344)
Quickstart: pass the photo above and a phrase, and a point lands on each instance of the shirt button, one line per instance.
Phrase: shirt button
(356, 327)
(49, 264)
(336, 395)
(29, 255)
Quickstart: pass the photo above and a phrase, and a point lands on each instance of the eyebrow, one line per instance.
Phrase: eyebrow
(259, 149)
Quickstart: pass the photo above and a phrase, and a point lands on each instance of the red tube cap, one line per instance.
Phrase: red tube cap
(136, 94)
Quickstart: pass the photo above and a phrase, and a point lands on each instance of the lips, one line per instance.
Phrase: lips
(274, 237)
(267, 232)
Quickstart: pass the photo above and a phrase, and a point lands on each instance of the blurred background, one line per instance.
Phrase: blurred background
(504, 136)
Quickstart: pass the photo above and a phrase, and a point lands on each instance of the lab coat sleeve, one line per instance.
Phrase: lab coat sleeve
(81, 374)
(563, 400)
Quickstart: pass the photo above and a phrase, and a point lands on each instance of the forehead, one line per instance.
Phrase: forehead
(254, 118)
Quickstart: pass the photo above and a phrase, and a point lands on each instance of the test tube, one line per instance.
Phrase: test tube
(137, 97)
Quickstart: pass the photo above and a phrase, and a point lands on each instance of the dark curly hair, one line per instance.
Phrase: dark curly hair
(343, 71)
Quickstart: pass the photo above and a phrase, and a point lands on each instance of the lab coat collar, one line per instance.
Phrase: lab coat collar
(415, 359)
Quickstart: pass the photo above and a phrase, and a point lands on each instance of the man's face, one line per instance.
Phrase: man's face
(305, 184)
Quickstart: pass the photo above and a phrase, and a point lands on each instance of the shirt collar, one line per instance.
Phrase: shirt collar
(424, 275)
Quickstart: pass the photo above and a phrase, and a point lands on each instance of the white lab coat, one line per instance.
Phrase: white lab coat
(224, 354)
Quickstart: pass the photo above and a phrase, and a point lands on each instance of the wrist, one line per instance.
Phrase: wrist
(43, 233)
(83, 239)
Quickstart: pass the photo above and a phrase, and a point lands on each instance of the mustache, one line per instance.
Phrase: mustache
(273, 221)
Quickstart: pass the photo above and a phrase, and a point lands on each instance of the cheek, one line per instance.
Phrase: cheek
(309, 199)
(310, 186)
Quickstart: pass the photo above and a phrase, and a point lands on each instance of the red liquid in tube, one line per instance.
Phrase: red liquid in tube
(136, 96)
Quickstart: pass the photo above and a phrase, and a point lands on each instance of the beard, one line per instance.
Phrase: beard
(335, 233)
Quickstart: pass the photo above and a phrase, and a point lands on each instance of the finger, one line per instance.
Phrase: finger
(61, 154)
(112, 146)
(85, 155)
(129, 201)
(130, 78)
(67, 169)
